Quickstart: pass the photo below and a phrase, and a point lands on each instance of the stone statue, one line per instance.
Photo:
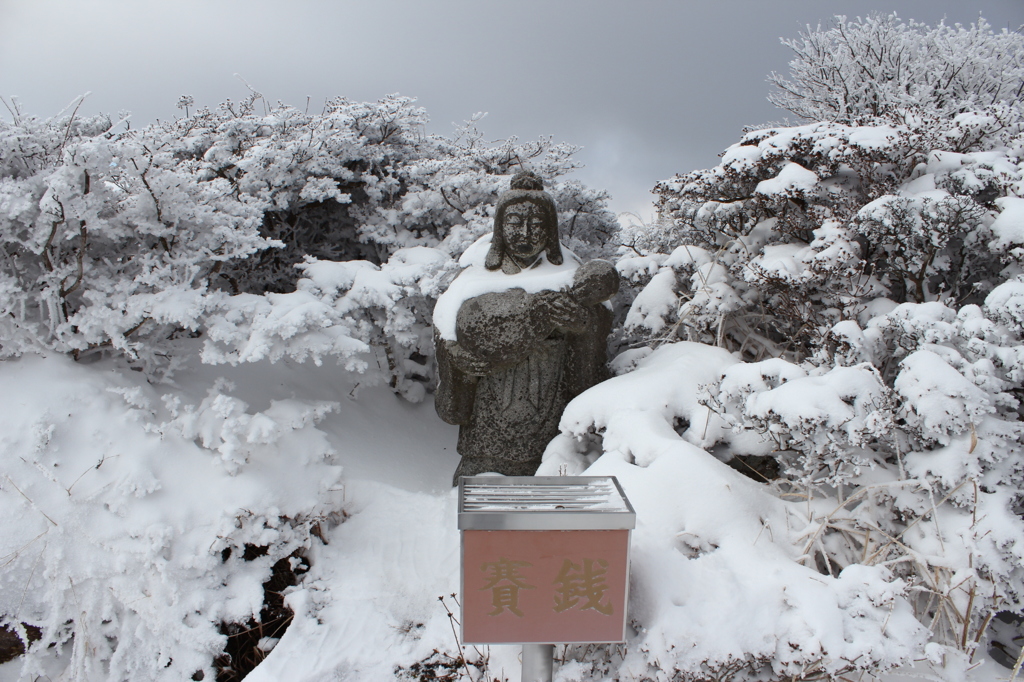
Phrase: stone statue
(529, 335)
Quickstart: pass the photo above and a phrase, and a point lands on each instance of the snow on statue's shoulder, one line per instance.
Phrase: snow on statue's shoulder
(477, 280)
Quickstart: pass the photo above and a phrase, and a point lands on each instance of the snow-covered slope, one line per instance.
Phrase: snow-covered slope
(121, 550)
(127, 507)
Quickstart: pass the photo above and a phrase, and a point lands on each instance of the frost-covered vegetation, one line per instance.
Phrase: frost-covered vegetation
(143, 522)
(867, 266)
(836, 310)
(125, 240)
(138, 531)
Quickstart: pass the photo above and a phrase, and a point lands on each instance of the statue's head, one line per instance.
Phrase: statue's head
(525, 225)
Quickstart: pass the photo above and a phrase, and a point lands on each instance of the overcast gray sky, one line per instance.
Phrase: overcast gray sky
(647, 88)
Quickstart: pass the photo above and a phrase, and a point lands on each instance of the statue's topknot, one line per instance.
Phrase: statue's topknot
(527, 180)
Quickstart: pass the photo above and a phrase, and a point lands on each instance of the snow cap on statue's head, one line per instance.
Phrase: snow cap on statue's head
(525, 186)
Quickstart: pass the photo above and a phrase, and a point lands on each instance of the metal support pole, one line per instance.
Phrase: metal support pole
(538, 662)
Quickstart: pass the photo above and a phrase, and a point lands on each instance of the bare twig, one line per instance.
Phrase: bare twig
(67, 133)
(33, 504)
(458, 644)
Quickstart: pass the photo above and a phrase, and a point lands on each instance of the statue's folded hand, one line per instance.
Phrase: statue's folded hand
(595, 281)
(558, 310)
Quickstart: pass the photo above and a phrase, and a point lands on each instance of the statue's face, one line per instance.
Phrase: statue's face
(523, 227)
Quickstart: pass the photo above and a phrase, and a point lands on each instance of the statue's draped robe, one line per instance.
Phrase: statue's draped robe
(507, 377)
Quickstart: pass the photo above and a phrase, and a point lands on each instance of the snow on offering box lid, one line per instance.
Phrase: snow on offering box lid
(590, 494)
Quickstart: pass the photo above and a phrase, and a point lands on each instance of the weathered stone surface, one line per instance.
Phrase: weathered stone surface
(518, 357)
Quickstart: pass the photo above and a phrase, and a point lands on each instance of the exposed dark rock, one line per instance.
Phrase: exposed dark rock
(242, 653)
(11, 645)
(761, 468)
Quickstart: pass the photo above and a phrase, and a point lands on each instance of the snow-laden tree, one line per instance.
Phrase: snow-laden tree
(855, 71)
(868, 269)
(108, 239)
(130, 240)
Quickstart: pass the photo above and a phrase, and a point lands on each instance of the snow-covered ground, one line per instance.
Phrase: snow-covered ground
(717, 572)
(396, 550)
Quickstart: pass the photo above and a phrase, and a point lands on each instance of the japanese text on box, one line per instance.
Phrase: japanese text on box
(524, 585)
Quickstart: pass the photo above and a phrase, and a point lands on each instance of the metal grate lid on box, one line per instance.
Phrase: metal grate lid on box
(543, 503)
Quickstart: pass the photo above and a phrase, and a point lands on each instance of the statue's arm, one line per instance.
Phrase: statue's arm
(501, 329)
(458, 370)
(456, 389)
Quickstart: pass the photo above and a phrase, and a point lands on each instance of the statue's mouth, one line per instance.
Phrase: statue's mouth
(526, 249)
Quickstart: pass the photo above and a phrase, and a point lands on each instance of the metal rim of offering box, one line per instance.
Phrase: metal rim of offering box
(544, 503)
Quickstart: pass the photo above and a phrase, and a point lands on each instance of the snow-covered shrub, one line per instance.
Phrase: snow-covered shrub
(352, 310)
(887, 543)
(801, 228)
(868, 269)
(136, 526)
(918, 445)
(130, 240)
(362, 180)
(108, 238)
(416, 204)
(721, 585)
